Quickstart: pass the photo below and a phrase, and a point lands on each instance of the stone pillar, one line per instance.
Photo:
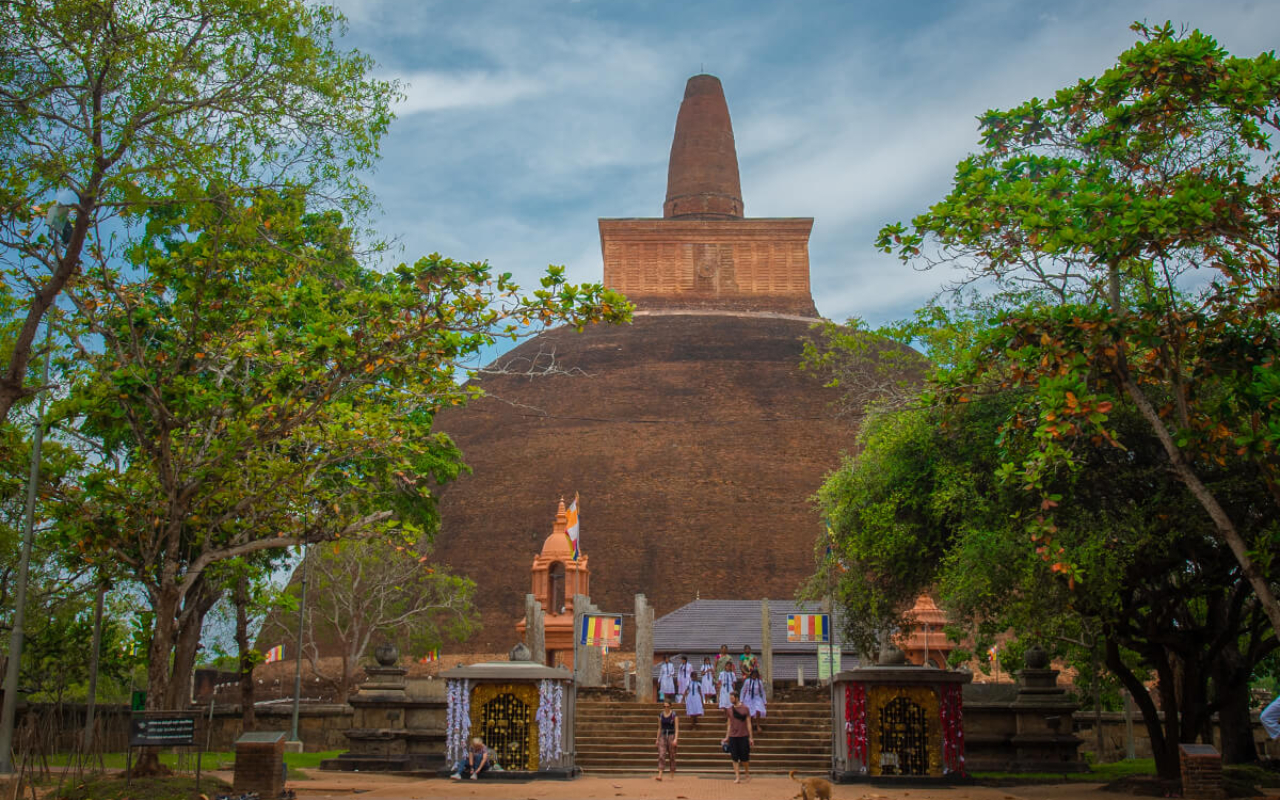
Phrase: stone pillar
(1044, 741)
(534, 633)
(766, 649)
(644, 650)
(590, 669)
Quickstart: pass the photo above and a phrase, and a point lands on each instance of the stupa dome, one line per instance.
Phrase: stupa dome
(691, 435)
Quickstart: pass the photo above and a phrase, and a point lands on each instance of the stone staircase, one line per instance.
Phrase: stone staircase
(617, 737)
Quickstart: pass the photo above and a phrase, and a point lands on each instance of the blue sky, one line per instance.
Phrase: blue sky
(525, 121)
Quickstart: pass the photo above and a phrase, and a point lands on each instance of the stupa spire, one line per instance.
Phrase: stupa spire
(702, 176)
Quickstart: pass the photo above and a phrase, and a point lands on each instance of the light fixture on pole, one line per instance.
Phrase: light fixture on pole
(295, 743)
(9, 709)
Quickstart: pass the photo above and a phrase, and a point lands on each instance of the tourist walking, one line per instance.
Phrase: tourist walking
(726, 686)
(666, 678)
(739, 738)
(476, 760)
(668, 739)
(753, 695)
(708, 678)
(693, 702)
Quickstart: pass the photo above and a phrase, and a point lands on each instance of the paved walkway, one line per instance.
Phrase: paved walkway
(348, 786)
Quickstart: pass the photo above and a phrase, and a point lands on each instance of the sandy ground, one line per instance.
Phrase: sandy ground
(347, 786)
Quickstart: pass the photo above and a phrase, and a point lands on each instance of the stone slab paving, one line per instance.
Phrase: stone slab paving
(701, 787)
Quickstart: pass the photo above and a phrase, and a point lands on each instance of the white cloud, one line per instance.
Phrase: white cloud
(439, 91)
(528, 120)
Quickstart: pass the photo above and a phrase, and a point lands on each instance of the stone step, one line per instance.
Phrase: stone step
(646, 727)
(617, 738)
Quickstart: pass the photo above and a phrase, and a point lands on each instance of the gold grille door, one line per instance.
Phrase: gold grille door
(904, 734)
(504, 722)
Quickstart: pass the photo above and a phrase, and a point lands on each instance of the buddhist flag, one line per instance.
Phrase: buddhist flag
(571, 529)
(275, 654)
(432, 655)
(808, 627)
(601, 631)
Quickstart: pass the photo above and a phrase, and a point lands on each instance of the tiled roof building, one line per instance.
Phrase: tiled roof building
(699, 628)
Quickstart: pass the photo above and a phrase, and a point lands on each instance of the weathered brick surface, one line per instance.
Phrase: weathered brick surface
(259, 768)
(745, 264)
(1201, 774)
(702, 175)
(695, 441)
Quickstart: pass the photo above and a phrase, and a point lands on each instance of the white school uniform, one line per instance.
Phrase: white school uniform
(684, 676)
(708, 682)
(666, 678)
(753, 696)
(693, 700)
(726, 686)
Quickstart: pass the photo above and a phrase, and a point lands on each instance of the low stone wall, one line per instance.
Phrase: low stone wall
(321, 727)
(1113, 737)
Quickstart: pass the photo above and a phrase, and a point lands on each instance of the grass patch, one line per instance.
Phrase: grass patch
(187, 761)
(1098, 773)
(174, 788)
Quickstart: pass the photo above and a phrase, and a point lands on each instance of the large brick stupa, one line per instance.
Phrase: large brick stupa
(691, 435)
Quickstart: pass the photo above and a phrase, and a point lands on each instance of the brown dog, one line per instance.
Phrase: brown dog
(812, 788)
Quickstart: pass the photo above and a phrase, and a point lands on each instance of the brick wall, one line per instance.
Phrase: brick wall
(1201, 772)
(658, 263)
(260, 768)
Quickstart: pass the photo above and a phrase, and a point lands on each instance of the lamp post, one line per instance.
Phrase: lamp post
(10, 706)
(295, 743)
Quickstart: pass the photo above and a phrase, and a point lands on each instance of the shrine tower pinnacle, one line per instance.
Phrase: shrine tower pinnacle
(702, 175)
(702, 255)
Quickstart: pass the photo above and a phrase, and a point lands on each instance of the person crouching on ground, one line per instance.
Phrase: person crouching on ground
(738, 737)
(476, 760)
(668, 739)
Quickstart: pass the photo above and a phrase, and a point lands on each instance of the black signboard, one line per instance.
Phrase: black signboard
(162, 731)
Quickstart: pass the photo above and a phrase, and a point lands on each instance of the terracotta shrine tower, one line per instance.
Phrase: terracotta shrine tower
(556, 577)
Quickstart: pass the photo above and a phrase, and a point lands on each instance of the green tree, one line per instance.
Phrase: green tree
(362, 590)
(1087, 213)
(123, 105)
(921, 507)
(256, 388)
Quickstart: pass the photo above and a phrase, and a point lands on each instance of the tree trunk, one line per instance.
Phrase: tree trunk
(199, 601)
(241, 596)
(1231, 696)
(1168, 765)
(165, 606)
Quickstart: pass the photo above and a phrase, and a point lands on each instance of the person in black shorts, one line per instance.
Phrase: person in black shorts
(738, 737)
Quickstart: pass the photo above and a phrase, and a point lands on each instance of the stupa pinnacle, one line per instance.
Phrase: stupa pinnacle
(702, 176)
(703, 254)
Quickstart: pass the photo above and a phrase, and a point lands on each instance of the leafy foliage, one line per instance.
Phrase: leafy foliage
(111, 108)
(1084, 212)
(254, 387)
